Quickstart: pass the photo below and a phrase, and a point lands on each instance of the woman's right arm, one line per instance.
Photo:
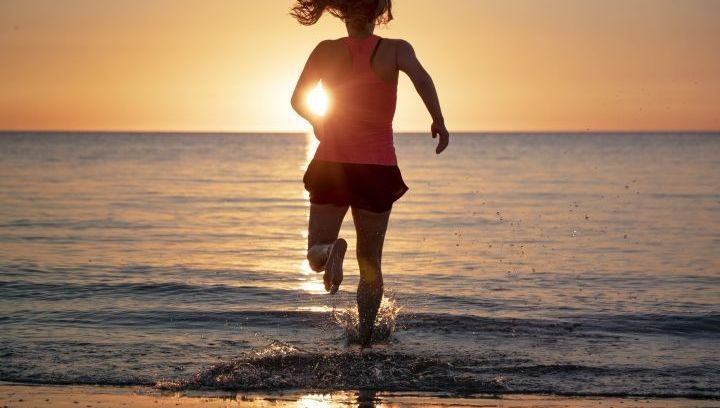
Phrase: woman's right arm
(409, 64)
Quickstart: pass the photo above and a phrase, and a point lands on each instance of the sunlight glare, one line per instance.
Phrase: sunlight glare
(315, 401)
(317, 100)
(305, 268)
(314, 286)
(311, 281)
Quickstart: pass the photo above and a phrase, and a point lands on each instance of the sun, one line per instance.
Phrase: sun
(317, 100)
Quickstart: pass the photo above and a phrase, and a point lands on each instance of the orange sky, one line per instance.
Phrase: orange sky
(231, 65)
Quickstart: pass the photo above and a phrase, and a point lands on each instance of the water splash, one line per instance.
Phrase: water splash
(251, 370)
(385, 323)
(283, 366)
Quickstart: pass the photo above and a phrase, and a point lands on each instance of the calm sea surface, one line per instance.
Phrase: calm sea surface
(559, 263)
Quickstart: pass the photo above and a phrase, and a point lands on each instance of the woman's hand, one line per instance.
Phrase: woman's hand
(409, 64)
(438, 128)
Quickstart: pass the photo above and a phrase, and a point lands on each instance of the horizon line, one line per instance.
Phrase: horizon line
(300, 132)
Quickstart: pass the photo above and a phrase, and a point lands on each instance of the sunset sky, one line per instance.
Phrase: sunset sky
(231, 65)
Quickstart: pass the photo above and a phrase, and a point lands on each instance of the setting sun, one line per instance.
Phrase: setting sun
(317, 100)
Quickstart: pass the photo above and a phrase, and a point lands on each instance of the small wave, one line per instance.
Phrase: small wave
(283, 366)
(660, 324)
(175, 319)
(679, 325)
(391, 317)
(21, 289)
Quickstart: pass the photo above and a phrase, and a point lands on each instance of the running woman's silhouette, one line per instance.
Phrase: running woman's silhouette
(355, 164)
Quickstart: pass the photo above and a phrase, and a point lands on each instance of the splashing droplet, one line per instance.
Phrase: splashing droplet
(349, 320)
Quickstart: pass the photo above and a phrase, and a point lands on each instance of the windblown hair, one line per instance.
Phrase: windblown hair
(356, 13)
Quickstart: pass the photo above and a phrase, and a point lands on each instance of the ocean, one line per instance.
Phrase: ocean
(570, 264)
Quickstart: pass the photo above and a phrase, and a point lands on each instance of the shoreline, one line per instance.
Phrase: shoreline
(90, 396)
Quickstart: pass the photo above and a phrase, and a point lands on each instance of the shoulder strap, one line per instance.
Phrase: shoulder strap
(362, 51)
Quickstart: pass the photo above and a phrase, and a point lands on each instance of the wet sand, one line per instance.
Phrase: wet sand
(23, 395)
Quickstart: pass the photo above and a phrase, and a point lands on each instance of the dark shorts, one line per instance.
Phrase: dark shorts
(372, 187)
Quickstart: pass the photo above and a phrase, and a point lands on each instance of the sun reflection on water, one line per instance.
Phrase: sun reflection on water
(313, 286)
(311, 281)
(316, 309)
(311, 144)
(315, 401)
(340, 399)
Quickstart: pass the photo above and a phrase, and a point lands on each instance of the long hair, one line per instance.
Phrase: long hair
(356, 13)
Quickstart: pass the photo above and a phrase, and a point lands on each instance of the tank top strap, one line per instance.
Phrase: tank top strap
(362, 51)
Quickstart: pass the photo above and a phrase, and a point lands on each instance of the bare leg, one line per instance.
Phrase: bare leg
(323, 230)
(370, 227)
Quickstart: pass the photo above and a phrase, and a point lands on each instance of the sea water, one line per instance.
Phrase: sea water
(579, 264)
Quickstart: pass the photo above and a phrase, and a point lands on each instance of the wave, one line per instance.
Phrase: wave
(207, 304)
(707, 326)
(681, 325)
(213, 313)
(20, 289)
(281, 366)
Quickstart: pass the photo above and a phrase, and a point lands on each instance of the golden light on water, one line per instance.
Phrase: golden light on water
(342, 399)
(315, 401)
(313, 285)
(311, 281)
(311, 145)
(318, 100)
(316, 309)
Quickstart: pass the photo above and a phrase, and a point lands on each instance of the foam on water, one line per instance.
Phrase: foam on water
(283, 366)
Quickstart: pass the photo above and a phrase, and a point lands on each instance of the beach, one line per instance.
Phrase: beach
(517, 266)
(28, 396)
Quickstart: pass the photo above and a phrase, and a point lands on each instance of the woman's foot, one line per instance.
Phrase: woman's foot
(333, 268)
(317, 256)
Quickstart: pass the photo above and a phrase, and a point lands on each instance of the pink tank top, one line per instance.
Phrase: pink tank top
(358, 124)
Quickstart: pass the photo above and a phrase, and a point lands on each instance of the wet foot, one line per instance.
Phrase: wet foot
(333, 268)
(317, 256)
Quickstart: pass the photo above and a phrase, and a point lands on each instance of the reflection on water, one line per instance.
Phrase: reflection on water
(313, 285)
(311, 145)
(317, 401)
(310, 281)
(316, 309)
(37, 395)
(360, 399)
(372, 399)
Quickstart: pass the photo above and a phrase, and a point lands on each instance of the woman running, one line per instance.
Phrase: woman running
(355, 164)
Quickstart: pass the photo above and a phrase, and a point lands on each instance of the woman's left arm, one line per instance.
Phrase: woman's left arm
(309, 78)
